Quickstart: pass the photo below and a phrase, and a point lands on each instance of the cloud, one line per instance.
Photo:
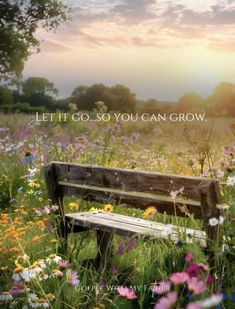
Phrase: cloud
(145, 23)
(222, 46)
(134, 11)
(51, 47)
(218, 15)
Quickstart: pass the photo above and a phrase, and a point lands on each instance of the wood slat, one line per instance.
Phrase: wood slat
(140, 200)
(126, 179)
(120, 224)
(138, 221)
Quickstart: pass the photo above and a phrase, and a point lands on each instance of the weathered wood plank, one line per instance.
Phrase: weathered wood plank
(164, 204)
(138, 221)
(209, 199)
(56, 196)
(112, 224)
(125, 179)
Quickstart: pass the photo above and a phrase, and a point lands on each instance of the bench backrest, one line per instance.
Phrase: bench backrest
(133, 188)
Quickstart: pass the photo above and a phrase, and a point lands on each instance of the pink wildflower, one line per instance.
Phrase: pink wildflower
(38, 211)
(63, 264)
(193, 270)
(161, 287)
(205, 267)
(167, 302)
(17, 288)
(126, 292)
(72, 277)
(174, 194)
(209, 279)
(179, 278)
(47, 210)
(196, 286)
(219, 173)
(189, 257)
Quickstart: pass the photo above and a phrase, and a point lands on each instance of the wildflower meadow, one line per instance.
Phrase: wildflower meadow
(141, 273)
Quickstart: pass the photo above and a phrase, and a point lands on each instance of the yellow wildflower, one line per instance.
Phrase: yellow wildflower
(40, 224)
(54, 241)
(149, 212)
(73, 206)
(4, 268)
(18, 269)
(108, 208)
(32, 184)
(42, 300)
(15, 250)
(50, 296)
(94, 209)
(36, 238)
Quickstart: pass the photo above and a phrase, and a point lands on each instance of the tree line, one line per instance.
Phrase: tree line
(39, 94)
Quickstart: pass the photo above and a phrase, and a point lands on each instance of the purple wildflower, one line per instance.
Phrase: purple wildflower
(193, 270)
(120, 249)
(72, 277)
(131, 244)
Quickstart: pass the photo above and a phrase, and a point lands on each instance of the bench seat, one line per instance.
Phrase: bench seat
(129, 226)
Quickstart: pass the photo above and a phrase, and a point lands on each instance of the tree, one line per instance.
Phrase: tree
(125, 99)
(190, 102)
(222, 101)
(152, 106)
(78, 96)
(86, 97)
(115, 98)
(6, 96)
(39, 91)
(18, 24)
(38, 85)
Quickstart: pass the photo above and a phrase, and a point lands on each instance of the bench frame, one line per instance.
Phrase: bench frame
(115, 185)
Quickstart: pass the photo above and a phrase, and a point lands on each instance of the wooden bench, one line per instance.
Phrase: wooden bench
(131, 188)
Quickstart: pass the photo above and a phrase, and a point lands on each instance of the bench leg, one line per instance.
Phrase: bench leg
(105, 247)
(63, 234)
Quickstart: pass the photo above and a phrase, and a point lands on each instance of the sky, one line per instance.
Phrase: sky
(160, 49)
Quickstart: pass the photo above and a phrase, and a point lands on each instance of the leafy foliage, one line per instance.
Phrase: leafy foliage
(18, 24)
(117, 97)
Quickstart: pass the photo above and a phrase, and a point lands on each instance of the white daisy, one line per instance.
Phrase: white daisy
(6, 297)
(213, 221)
(53, 258)
(212, 301)
(33, 300)
(221, 220)
(222, 207)
(20, 273)
(34, 270)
